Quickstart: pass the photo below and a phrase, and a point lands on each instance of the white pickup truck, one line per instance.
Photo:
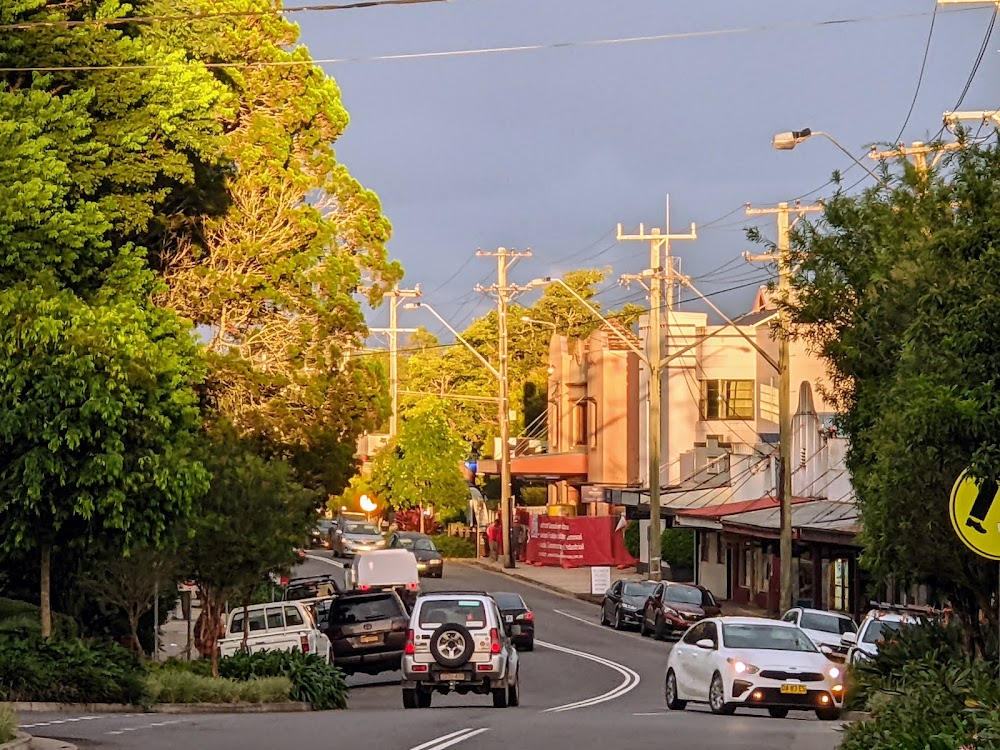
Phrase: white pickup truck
(277, 626)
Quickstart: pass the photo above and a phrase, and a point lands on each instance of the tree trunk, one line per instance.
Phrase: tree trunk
(133, 623)
(46, 589)
(210, 625)
(246, 626)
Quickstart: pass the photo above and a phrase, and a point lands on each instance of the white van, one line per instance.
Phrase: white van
(383, 569)
(278, 626)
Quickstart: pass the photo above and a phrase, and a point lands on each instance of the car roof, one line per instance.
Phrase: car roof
(452, 595)
(735, 620)
(413, 535)
(841, 615)
(506, 593)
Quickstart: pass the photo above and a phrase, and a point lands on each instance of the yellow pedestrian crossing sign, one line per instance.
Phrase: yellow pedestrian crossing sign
(975, 514)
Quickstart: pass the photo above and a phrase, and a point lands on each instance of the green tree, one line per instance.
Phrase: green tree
(274, 281)
(896, 289)
(245, 527)
(421, 465)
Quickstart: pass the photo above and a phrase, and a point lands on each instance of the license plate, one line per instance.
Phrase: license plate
(509, 618)
(794, 689)
(452, 676)
(369, 639)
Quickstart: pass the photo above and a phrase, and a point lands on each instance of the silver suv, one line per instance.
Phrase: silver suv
(459, 642)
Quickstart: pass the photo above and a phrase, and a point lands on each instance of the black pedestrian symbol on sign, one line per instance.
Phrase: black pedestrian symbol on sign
(984, 501)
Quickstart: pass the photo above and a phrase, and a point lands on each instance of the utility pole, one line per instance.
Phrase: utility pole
(395, 297)
(657, 242)
(783, 260)
(504, 292)
(919, 151)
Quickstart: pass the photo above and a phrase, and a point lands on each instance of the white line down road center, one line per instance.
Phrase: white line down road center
(439, 743)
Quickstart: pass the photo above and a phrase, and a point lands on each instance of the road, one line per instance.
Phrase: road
(584, 685)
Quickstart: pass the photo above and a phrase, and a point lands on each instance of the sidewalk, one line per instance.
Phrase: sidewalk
(572, 582)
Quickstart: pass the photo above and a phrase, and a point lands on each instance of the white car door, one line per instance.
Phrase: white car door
(684, 659)
(703, 661)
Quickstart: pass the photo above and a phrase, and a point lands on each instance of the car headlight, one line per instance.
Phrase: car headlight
(670, 611)
(834, 672)
(741, 667)
(435, 562)
(629, 607)
(380, 543)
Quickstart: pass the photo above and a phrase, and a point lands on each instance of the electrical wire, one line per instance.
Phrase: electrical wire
(920, 77)
(479, 51)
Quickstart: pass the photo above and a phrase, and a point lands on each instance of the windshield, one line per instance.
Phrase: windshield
(509, 601)
(324, 525)
(364, 610)
(827, 623)
(682, 595)
(766, 637)
(642, 589)
(425, 544)
(405, 542)
(880, 630)
(361, 528)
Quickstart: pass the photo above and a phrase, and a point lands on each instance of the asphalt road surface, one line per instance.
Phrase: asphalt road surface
(583, 687)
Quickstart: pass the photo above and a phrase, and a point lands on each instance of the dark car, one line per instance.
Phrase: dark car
(624, 601)
(320, 536)
(368, 632)
(674, 607)
(515, 611)
(430, 563)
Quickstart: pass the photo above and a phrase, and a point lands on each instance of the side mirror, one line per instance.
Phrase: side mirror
(706, 643)
(826, 650)
(849, 639)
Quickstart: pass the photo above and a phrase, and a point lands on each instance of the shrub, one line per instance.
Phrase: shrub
(68, 671)
(19, 616)
(454, 546)
(315, 682)
(174, 686)
(202, 667)
(632, 538)
(8, 723)
(676, 545)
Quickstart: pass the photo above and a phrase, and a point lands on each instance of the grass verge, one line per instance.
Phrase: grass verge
(184, 687)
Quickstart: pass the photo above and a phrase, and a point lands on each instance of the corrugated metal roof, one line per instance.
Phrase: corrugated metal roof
(818, 515)
(742, 506)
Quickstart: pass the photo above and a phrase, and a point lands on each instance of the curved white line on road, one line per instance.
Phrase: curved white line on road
(630, 683)
(447, 740)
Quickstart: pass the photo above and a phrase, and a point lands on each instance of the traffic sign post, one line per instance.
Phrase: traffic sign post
(975, 517)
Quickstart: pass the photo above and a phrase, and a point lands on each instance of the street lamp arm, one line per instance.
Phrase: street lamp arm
(456, 334)
(768, 358)
(593, 310)
(849, 155)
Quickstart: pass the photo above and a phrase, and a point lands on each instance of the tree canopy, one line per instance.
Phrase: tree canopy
(897, 288)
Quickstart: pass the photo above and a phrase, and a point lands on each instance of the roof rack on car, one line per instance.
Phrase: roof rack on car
(909, 608)
(456, 592)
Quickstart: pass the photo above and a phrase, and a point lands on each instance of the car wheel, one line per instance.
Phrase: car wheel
(619, 622)
(514, 693)
(827, 714)
(604, 613)
(670, 693)
(409, 698)
(424, 698)
(500, 696)
(717, 697)
(778, 713)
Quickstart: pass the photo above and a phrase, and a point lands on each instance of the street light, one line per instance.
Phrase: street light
(790, 139)
(526, 319)
(504, 417)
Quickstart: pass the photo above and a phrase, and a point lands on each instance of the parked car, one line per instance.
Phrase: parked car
(394, 569)
(430, 563)
(320, 536)
(458, 642)
(351, 537)
(752, 662)
(277, 626)
(515, 611)
(367, 631)
(624, 603)
(877, 627)
(825, 628)
(674, 607)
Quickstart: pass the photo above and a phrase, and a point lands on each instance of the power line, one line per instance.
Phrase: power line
(205, 16)
(479, 51)
(920, 77)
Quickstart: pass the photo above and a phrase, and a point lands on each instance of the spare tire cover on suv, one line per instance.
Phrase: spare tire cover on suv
(452, 645)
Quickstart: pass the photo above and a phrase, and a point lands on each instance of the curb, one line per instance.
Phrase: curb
(21, 741)
(161, 708)
(589, 598)
(853, 716)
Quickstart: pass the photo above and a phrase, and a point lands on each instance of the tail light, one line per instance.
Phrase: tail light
(411, 647)
(365, 587)
(413, 586)
(494, 641)
(529, 616)
(304, 640)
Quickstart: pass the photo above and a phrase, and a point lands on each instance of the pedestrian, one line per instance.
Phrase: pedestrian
(522, 541)
(494, 535)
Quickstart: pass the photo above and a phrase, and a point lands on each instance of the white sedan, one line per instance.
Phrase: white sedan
(753, 662)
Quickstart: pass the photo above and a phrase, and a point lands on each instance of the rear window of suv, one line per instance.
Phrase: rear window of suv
(470, 613)
(367, 609)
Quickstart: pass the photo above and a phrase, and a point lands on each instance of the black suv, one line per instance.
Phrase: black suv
(368, 631)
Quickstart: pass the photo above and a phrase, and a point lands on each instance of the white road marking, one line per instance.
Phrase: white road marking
(147, 726)
(655, 713)
(326, 560)
(630, 683)
(439, 743)
(67, 721)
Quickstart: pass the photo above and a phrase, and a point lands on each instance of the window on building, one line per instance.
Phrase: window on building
(720, 549)
(704, 544)
(581, 430)
(727, 399)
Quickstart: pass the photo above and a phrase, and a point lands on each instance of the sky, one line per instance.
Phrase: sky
(549, 149)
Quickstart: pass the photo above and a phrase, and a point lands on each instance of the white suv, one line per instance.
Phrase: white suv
(459, 642)
(877, 627)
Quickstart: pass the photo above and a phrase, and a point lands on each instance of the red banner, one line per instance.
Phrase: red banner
(573, 542)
